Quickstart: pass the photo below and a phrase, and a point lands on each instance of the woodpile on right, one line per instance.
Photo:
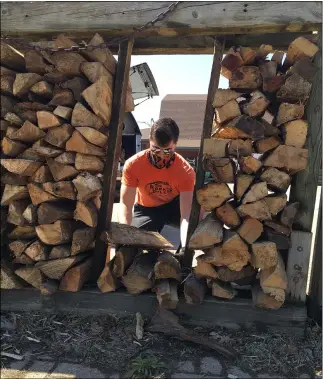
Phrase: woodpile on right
(257, 144)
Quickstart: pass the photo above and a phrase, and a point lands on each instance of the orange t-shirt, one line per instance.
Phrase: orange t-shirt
(157, 186)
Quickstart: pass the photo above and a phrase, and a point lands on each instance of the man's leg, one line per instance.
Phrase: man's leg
(148, 218)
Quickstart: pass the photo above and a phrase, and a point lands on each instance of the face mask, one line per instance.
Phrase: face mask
(161, 162)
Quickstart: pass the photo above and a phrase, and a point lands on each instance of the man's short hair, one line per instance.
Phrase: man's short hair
(164, 131)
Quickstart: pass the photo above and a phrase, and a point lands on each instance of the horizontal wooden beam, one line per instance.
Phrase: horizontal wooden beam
(120, 18)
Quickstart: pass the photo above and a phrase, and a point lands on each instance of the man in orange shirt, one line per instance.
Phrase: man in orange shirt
(157, 183)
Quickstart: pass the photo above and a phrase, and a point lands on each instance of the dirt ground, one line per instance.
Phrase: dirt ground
(109, 343)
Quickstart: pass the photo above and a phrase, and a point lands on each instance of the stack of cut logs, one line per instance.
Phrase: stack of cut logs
(257, 144)
(55, 113)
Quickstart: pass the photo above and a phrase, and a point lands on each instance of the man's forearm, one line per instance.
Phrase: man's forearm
(125, 214)
(183, 231)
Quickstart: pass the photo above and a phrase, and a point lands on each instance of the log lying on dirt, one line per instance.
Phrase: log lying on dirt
(213, 195)
(166, 291)
(208, 233)
(194, 289)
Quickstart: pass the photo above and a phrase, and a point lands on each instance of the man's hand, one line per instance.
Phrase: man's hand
(127, 200)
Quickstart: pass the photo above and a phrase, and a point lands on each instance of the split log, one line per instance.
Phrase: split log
(4, 125)
(250, 127)
(83, 240)
(68, 63)
(11, 129)
(249, 165)
(299, 48)
(37, 251)
(289, 112)
(87, 213)
(167, 267)
(8, 280)
(129, 235)
(13, 119)
(223, 290)
(60, 251)
(22, 167)
(12, 192)
(78, 144)
(11, 58)
(59, 135)
(93, 136)
(256, 192)
(49, 286)
(63, 189)
(279, 228)
(262, 300)
(239, 147)
(276, 203)
(16, 210)
(223, 96)
(102, 108)
(43, 89)
(32, 106)
(61, 171)
(24, 82)
(49, 213)
(221, 169)
(55, 77)
(267, 120)
(276, 180)
(6, 85)
(264, 254)
(56, 268)
(194, 289)
(242, 183)
(107, 282)
(268, 69)
(295, 90)
(55, 234)
(272, 85)
(230, 132)
(42, 175)
(12, 148)
(23, 233)
(258, 210)
(87, 186)
(81, 116)
(67, 157)
(288, 214)
(166, 291)
(250, 230)
(245, 78)
(228, 215)
(89, 163)
(77, 86)
(31, 155)
(267, 144)
(257, 104)
(36, 63)
(38, 195)
(207, 233)
(47, 120)
(75, 277)
(227, 275)
(13, 179)
(19, 246)
(63, 112)
(204, 269)
(304, 68)
(4, 71)
(46, 151)
(213, 195)
(227, 112)
(31, 275)
(295, 133)
(30, 214)
(215, 147)
(231, 62)
(27, 133)
(23, 259)
(95, 70)
(139, 276)
(64, 97)
(7, 105)
(124, 257)
(281, 241)
(274, 277)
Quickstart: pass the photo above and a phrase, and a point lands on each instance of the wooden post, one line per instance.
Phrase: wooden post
(113, 153)
(206, 133)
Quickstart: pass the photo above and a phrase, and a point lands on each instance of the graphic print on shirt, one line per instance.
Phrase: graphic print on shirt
(160, 188)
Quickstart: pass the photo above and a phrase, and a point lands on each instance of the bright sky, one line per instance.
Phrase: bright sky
(174, 74)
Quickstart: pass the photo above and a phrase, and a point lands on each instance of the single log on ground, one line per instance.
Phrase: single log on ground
(167, 267)
(276, 203)
(11, 58)
(304, 68)
(166, 291)
(12, 192)
(19, 246)
(259, 210)
(95, 70)
(47, 120)
(78, 144)
(60, 251)
(81, 116)
(227, 112)
(239, 147)
(87, 213)
(246, 78)
(264, 254)
(61, 171)
(204, 269)
(129, 235)
(68, 63)
(83, 240)
(93, 136)
(49, 286)
(23, 233)
(276, 180)
(207, 233)
(223, 96)
(249, 165)
(215, 147)
(37, 251)
(43, 89)
(12, 148)
(66, 158)
(242, 183)
(301, 47)
(289, 112)
(213, 195)
(256, 192)
(24, 82)
(22, 167)
(63, 112)
(59, 135)
(42, 175)
(257, 105)
(74, 278)
(16, 210)
(89, 163)
(295, 90)
(77, 86)
(228, 215)
(49, 213)
(30, 214)
(266, 144)
(107, 281)
(223, 290)
(55, 234)
(124, 257)
(289, 213)
(277, 227)
(221, 169)
(295, 133)
(30, 275)
(13, 179)
(62, 189)
(139, 276)
(87, 186)
(194, 289)
(261, 300)
(38, 195)
(281, 240)
(250, 230)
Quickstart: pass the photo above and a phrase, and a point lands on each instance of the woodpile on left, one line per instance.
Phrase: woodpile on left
(55, 114)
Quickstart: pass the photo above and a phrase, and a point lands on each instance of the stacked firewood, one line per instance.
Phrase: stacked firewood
(257, 144)
(55, 114)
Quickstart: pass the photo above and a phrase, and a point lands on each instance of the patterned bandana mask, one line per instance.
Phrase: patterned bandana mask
(160, 162)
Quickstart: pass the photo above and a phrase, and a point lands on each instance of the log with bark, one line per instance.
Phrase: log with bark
(209, 232)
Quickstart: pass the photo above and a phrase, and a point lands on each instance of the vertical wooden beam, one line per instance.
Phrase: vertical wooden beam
(206, 133)
(113, 153)
(304, 184)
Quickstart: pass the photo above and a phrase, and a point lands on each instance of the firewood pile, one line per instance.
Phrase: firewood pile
(55, 114)
(257, 144)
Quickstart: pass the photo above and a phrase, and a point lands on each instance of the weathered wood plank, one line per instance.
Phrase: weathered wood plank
(194, 17)
(113, 153)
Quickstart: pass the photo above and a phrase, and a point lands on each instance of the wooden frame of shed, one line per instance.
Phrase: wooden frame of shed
(194, 28)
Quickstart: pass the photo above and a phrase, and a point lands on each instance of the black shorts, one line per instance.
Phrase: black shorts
(154, 218)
